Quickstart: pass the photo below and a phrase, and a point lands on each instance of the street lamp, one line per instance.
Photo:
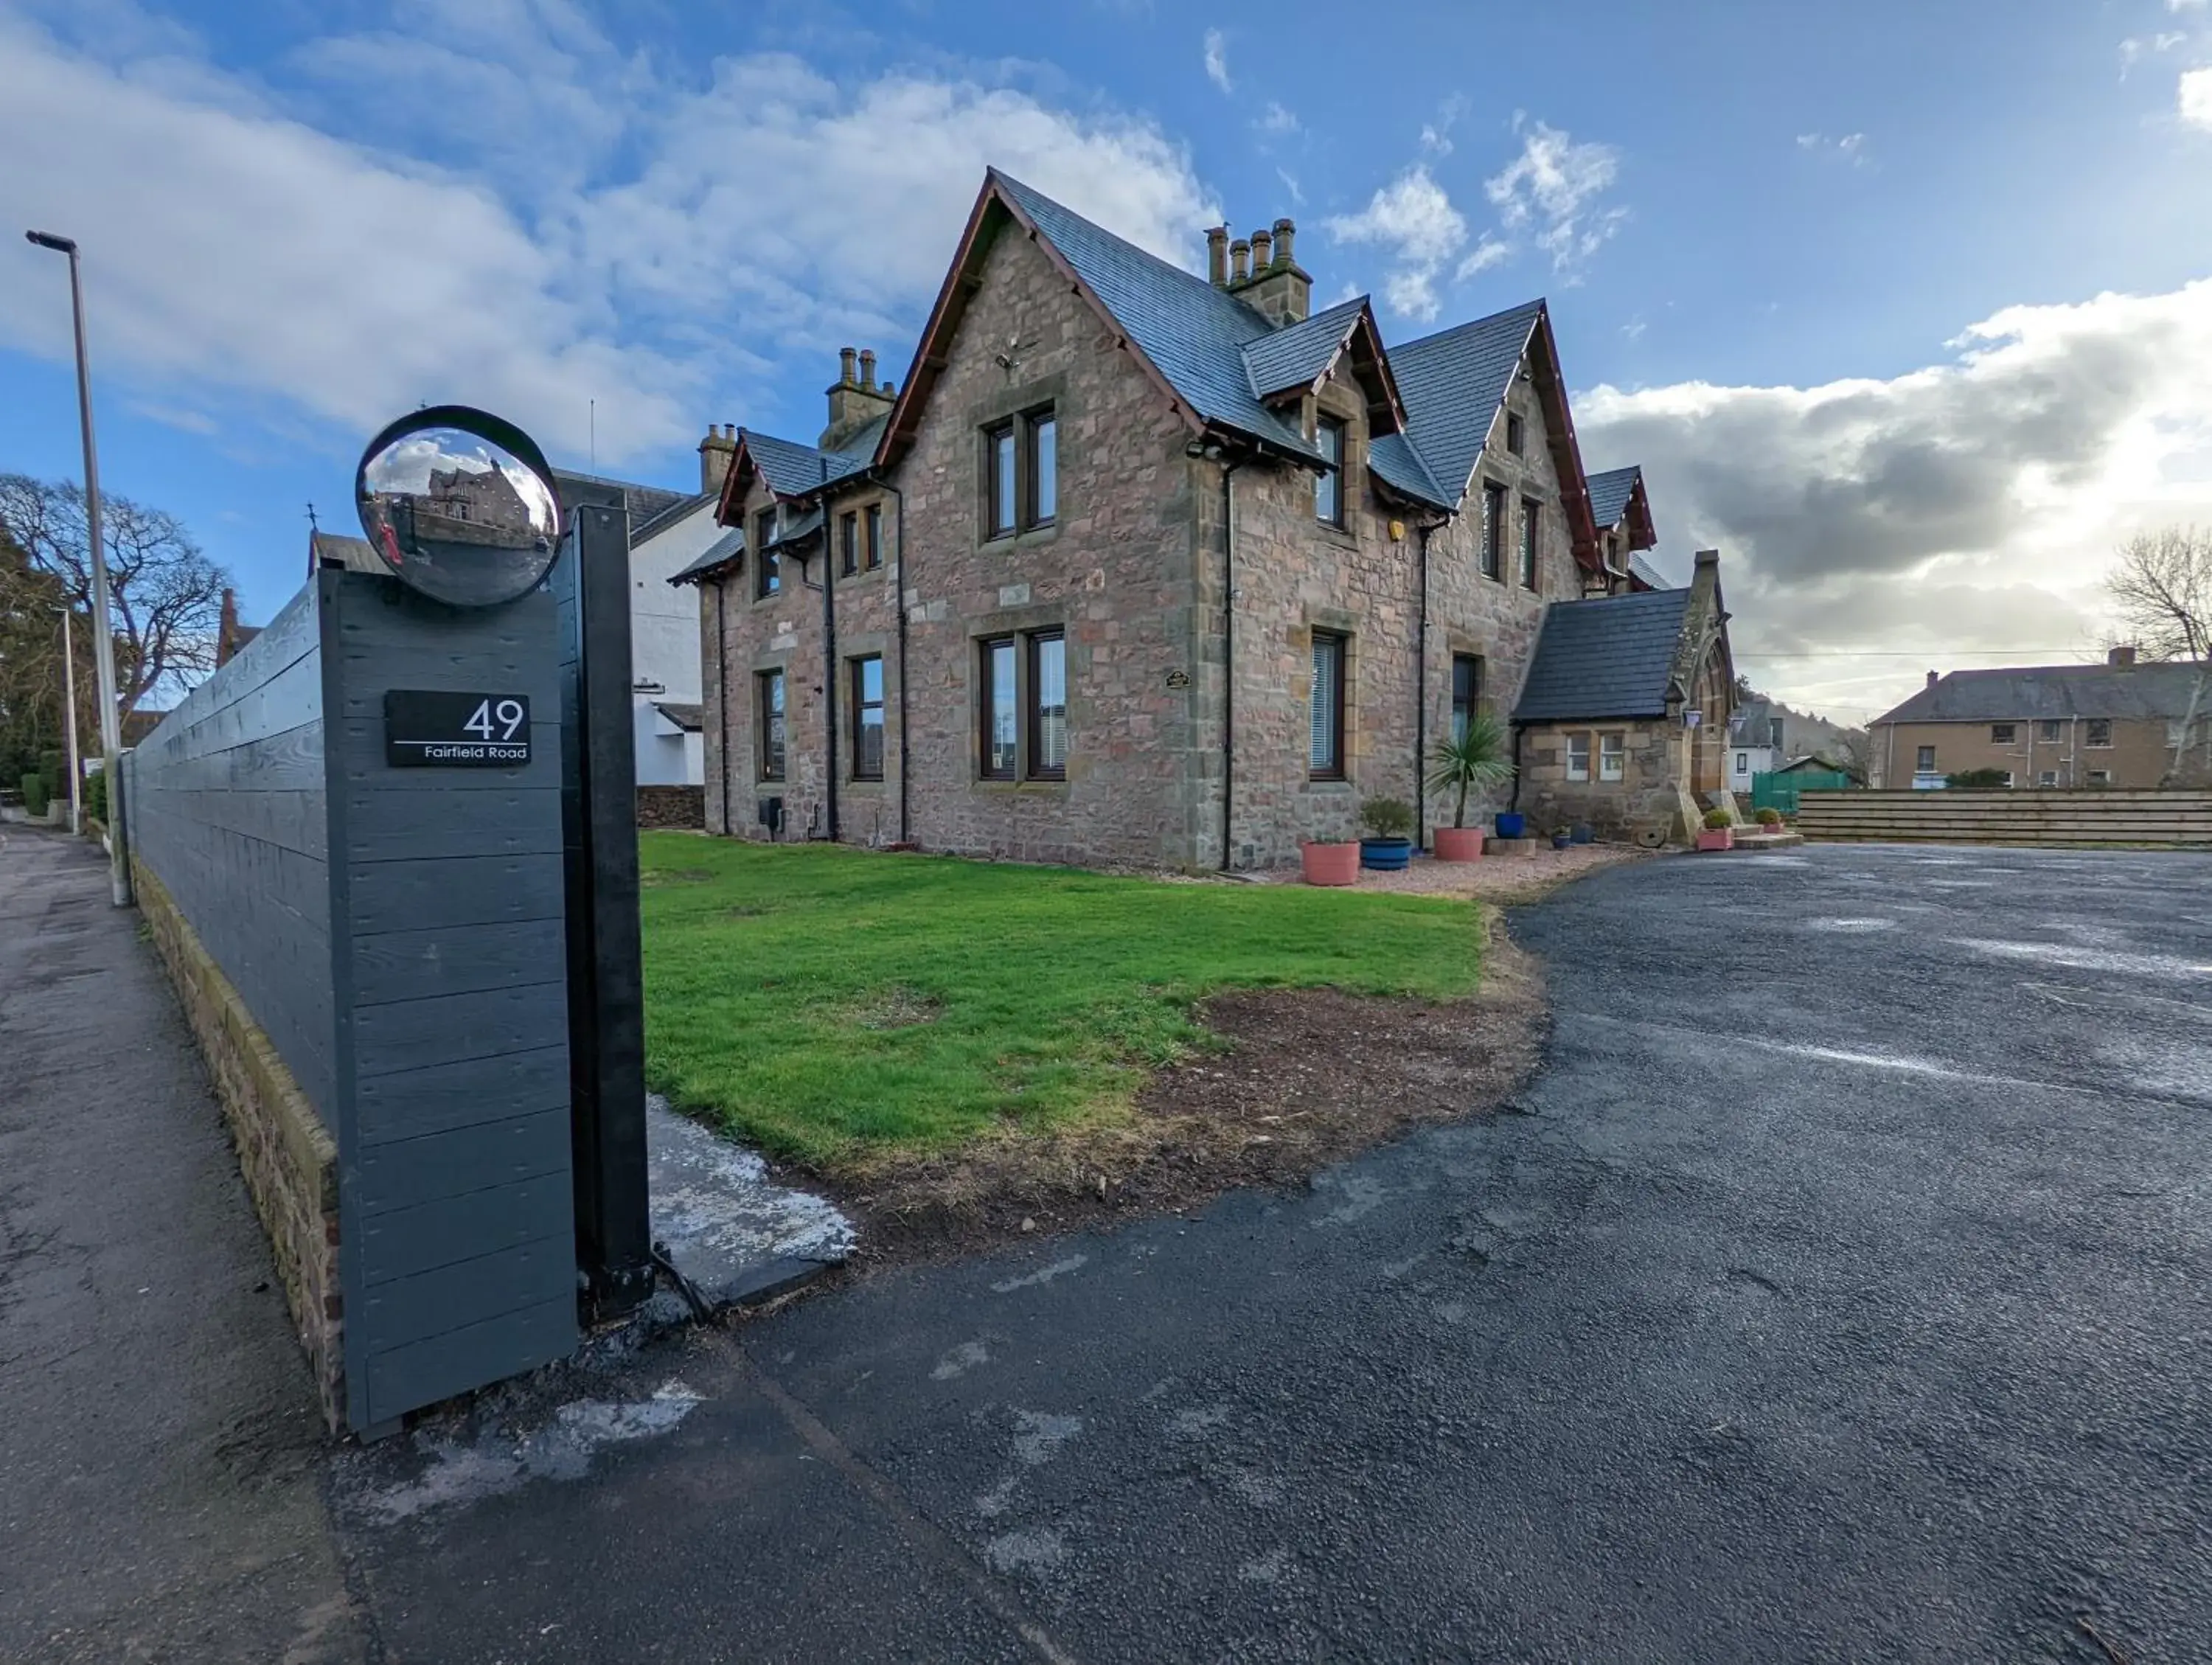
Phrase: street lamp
(68, 723)
(103, 635)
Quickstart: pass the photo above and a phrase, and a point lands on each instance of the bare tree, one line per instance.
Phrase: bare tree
(166, 596)
(2161, 588)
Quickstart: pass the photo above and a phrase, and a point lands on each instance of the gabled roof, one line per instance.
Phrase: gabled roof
(330, 549)
(793, 469)
(1393, 458)
(1610, 493)
(723, 550)
(1647, 575)
(2045, 692)
(1453, 382)
(1611, 657)
(1296, 360)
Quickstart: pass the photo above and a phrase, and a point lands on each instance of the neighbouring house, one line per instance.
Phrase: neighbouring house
(2117, 724)
(1150, 566)
(1766, 737)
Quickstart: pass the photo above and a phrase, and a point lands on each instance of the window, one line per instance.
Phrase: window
(1513, 433)
(1466, 692)
(1328, 484)
(1493, 528)
(1774, 733)
(2047, 731)
(1047, 705)
(1578, 756)
(1924, 761)
(2001, 734)
(875, 547)
(1024, 707)
(1529, 510)
(1743, 763)
(1021, 473)
(767, 563)
(2100, 732)
(868, 718)
(2101, 777)
(848, 544)
(1325, 748)
(1612, 756)
(768, 701)
(2048, 777)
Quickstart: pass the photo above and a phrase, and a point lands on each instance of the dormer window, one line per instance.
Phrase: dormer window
(1328, 485)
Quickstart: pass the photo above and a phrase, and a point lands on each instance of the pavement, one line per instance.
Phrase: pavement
(1837, 1290)
(161, 1454)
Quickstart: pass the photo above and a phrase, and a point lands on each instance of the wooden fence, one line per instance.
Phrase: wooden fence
(2177, 819)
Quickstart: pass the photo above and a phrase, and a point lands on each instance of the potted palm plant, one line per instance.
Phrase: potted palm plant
(1474, 760)
(1386, 849)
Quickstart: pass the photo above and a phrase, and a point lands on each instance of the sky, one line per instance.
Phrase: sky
(1906, 307)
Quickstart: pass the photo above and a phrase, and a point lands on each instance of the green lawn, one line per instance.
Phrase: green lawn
(832, 1005)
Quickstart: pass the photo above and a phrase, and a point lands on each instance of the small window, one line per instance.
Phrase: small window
(1021, 473)
(1328, 484)
(2047, 731)
(1325, 748)
(1578, 756)
(768, 698)
(2048, 777)
(1002, 725)
(2002, 734)
(1513, 433)
(1612, 756)
(2100, 732)
(1047, 705)
(1774, 733)
(1743, 763)
(875, 542)
(848, 544)
(2101, 777)
(1493, 529)
(1466, 692)
(1043, 468)
(768, 562)
(1530, 509)
(1925, 762)
(868, 718)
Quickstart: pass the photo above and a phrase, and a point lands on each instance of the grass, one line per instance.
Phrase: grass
(836, 1007)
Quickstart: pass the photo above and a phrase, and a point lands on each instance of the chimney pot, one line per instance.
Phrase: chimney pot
(845, 367)
(888, 389)
(1263, 254)
(1285, 230)
(1933, 679)
(1217, 256)
(2122, 659)
(1240, 256)
(868, 367)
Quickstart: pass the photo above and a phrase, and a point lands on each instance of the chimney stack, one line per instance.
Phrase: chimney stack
(1217, 257)
(1275, 287)
(1933, 679)
(1240, 257)
(716, 452)
(2122, 659)
(1263, 251)
(854, 399)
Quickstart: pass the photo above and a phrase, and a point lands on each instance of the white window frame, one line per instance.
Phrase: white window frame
(1612, 758)
(1578, 757)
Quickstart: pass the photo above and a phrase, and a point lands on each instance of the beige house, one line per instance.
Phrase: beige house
(2117, 724)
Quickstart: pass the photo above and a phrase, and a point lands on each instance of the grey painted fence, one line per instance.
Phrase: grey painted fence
(398, 934)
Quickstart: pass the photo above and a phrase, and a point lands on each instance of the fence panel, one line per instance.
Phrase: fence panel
(1780, 792)
(2180, 819)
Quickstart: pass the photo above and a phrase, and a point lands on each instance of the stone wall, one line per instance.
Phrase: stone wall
(1651, 793)
(287, 1156)
(677, 807)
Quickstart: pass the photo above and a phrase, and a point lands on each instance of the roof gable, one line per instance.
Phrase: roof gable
(1452, 383)
(790, 468)
(1613, 657)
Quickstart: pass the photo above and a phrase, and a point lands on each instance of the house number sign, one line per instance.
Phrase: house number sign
(430, 730)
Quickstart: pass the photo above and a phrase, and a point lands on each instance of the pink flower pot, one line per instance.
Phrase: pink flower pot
(1459, 843)
(1331, 864)
(1717, 838)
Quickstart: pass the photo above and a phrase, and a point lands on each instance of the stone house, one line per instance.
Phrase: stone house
(2117, 724)
(1141, 566)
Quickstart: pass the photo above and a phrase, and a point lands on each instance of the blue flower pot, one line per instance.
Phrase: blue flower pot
(1583, 832)
(1510, 825)
(1385, 855)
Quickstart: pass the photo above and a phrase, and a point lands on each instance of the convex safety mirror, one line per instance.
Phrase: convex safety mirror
(460, 505)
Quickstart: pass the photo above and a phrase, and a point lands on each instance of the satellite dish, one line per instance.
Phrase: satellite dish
(460, 505)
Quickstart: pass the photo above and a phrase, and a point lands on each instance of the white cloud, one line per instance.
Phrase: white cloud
(1290, 184)
(1277, 120)
(1489, 253)
(1972, 504)
(2136, 48)
(2194, 98)
(1217, 60)
(1850, 148)
(1436, 135)
(658, 247)
(1413, 218)
(1554, 185)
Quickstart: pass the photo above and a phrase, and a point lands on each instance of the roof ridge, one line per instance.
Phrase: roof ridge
(1531, 307)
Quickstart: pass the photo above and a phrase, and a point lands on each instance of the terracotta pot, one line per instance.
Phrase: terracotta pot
(1330, 864)
(1717, 838)
(1459, 843)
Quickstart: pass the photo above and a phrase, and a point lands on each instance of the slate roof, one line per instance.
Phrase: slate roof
(1607, 658)
(1609, 493)
(329, 549)
(681, 510)
(2042, 692)
(1453, 382)
(1295, 356)
(1393, 457)
(1646, 573)
(643, 504)
(726, 548)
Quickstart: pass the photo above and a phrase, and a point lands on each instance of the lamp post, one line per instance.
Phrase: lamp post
(103, 635)
(68, 727)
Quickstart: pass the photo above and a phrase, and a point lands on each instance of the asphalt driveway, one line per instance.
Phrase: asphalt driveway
(1837, 1290)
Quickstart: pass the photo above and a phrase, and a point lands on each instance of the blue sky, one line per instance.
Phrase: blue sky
(1903, 306)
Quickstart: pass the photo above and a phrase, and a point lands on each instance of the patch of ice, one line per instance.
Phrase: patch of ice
(1033, 1551)
(2088, 959)
(1850, 924)
(960, 1360)
(1043, 1274)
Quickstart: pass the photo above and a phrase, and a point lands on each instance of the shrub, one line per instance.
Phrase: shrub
(1718, 819)
(1977, 780)
(1387, 817)
(1768, 817)
(95, 797)
(34, 793)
